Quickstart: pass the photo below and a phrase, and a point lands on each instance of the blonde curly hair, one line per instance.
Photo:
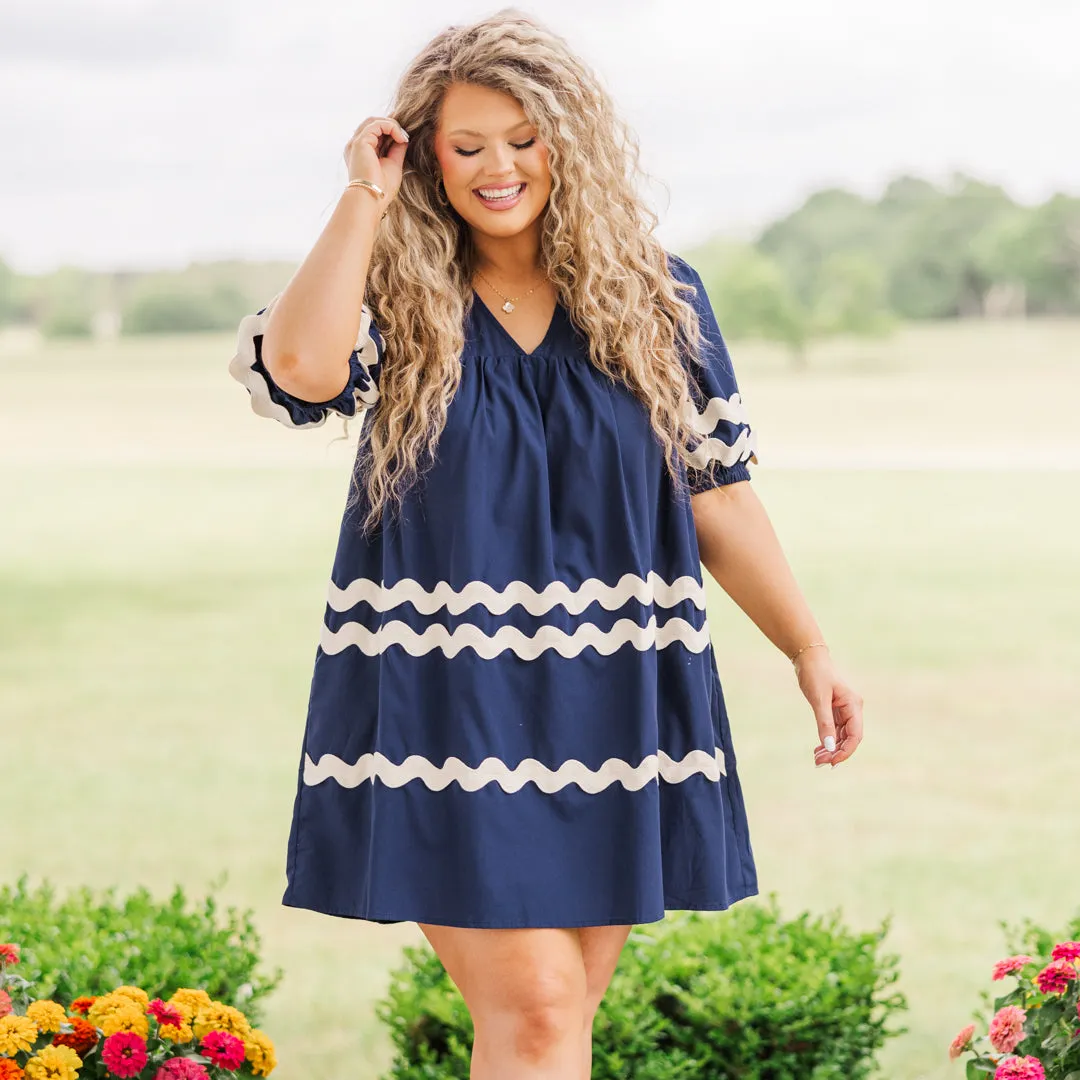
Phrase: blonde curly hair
(597, 248)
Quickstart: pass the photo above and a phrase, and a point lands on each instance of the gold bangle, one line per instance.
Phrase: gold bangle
(374, 188)
(804, 648)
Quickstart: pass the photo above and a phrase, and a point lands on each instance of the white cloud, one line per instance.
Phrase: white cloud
(147, 133)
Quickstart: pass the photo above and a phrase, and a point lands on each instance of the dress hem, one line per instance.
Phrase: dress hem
(670, 904)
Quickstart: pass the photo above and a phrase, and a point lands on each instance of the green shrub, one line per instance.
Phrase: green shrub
(741, 993)
(89, 944)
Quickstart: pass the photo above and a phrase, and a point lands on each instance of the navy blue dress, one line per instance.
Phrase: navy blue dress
(515, 717)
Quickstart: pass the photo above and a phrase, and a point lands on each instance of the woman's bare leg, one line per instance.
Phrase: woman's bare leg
(526, 991)
(601, 947)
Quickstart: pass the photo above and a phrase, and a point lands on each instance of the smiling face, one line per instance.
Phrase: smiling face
(485, 143)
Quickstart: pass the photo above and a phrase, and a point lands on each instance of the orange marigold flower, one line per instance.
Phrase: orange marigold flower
(82, 1005)
(81, 1039)
(9, 1070)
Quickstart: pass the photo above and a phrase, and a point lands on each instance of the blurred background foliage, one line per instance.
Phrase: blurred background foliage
(839, 264)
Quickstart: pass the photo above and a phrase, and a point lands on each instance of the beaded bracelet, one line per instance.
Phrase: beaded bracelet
(804, 648)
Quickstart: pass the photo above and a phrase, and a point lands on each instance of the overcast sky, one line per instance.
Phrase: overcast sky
(141, 133)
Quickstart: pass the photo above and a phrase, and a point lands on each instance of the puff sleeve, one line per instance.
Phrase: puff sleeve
(717, 413)
(269, 400)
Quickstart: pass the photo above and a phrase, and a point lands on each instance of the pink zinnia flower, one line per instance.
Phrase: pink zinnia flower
(1066, 950)
(226, 1051)
(9, 954)
(164, 1013)
(1055, 977)
(1007, 1028)
(124, 1054)
(1010, 964)
(5, 1003)
(1020, 1068)
(179, 1068)
(961, 1042)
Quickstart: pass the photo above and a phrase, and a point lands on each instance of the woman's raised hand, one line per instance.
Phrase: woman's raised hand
(376, 152)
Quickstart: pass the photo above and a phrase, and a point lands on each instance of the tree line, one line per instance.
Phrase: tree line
(841, 263)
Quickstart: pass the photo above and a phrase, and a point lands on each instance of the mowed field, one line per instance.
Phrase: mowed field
(163, 562)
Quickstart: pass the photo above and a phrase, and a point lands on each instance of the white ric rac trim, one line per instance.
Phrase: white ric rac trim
(652, 589)
(613, 771)
(716, 409)
(468, 636)
(241, 368)
(742, 449)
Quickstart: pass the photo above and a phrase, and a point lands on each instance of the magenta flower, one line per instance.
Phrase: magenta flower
(226, 1051)
(1066, 950)
(1010, 964)
(124, 1054)
(1007, 1028)
(1055, 977)
(962, 1041)
(179, 1068)
(1020, 1068)
(9, 954)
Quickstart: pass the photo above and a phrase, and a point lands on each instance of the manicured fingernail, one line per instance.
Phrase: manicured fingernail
(829, 743)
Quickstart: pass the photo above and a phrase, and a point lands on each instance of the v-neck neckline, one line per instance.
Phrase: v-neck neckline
(510, 339)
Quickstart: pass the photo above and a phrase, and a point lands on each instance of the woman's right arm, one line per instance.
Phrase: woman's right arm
(314, 322)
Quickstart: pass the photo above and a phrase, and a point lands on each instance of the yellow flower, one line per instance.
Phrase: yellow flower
(220, 1017)
(54, 1063)
(139, 996)
(173, 1033)
(47, 1015)
(193, 999)
(130, 1019)
(106, 1005)
(16, 1033)
(259, 1051)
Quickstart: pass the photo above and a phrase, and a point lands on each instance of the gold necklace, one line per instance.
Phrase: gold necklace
(508, 306)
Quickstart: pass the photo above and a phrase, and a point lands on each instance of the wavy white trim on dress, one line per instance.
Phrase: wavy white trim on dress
(241, 368)
(472, 778)
(731, 409)
(652, 589)
(743, 449)
(469, 636)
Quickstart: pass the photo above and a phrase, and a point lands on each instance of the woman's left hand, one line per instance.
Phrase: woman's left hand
(837, 708)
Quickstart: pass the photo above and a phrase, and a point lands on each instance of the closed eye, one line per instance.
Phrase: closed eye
(516, 146)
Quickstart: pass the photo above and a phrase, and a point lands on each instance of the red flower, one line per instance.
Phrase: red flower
(179, 1068)
(9, 954)
(1020, 1068)
(124, 1054)
(5, 1003)
(82, 1005)
(1066, 950)
(1055, 977)
(1010, 964)
(81, 1040)
(164, 1013)
(224, 1050)
(962, 1041)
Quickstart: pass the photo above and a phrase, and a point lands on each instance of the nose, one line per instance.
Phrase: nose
(502, 162)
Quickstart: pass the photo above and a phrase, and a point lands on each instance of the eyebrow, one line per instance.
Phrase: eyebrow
(480, 134)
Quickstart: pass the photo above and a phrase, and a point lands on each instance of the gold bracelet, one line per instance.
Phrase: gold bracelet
(804, 648)
(374, 188)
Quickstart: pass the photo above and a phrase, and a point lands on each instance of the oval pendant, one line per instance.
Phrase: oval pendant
(508, 307)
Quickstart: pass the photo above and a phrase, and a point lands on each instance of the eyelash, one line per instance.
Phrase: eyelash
(516, 146)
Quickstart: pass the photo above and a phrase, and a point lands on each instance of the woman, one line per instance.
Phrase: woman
(516, 734)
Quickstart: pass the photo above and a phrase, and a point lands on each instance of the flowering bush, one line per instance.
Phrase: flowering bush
(124, 1034)
(1035, 1030)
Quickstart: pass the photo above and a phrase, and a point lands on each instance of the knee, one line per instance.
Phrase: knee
(545, 1013)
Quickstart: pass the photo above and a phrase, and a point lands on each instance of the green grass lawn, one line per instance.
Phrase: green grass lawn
(163, 561)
